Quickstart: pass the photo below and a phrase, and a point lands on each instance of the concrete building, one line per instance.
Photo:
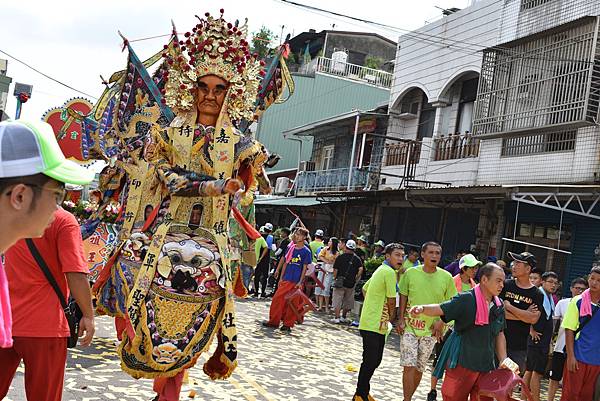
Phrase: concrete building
(4, 86)
(497, 109)
(331, 78)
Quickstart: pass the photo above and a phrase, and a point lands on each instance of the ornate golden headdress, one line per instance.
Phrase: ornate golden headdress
(214, 47)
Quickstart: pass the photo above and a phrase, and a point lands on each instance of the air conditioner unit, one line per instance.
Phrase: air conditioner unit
(409, 111)
(407, 116)
(306, 165)
(282, 186)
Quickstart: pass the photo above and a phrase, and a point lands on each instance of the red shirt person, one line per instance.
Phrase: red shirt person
(40, 328)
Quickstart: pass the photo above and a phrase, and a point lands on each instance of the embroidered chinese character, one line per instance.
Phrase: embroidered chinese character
(219, 227)
(150, 260)
(222, 138)
(228, 320)
(185, 130)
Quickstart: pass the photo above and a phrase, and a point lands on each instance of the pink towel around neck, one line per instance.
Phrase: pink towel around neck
(482, 315)
(6, 340)
(290, 252)
(586, 304)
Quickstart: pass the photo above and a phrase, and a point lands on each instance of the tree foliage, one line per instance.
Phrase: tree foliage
(373, 62)
(261, 41)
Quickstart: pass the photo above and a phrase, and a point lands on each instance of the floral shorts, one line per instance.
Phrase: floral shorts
(415, 351)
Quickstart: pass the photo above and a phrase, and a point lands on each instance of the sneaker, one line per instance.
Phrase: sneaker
(285, 329)
(344, 320)
(266, 323)
(337, 321)
(432, 395)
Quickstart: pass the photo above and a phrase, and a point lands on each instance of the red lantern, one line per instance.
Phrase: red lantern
(23, 97)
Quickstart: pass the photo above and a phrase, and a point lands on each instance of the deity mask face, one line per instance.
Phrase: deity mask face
(210, 96)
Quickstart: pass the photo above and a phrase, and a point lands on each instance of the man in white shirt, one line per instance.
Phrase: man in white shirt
(558, 357)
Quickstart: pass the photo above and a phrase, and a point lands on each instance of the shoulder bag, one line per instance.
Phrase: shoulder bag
(72, 311)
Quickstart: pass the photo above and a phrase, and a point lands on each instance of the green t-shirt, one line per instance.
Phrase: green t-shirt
(478, 345)
(465, 287)
(258, 247)
(314, 246)
(408, 264)
(380, 287)
(422, 289)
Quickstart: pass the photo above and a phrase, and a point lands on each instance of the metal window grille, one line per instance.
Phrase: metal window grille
(529, 4)
(548, 80)
(559, 141)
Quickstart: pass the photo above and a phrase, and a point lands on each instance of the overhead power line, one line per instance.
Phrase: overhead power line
(47, 76)
(461, 45)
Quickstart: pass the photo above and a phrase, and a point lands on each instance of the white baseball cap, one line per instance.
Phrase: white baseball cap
(269, 226)
(319, 233)
(30, 147)
(350, 244)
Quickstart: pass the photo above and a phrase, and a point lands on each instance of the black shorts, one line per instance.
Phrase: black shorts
(558, 365)
(519, 357)
(537, 359)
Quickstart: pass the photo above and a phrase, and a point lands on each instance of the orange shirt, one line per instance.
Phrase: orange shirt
(35, 306)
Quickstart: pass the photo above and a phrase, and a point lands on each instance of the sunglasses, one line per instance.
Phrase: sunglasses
(59, 193)
(580, 288)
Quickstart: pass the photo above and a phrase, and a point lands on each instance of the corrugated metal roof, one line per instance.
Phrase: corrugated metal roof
(288, 201)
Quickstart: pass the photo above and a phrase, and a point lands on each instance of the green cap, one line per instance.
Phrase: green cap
(468, 261)
(30, 147)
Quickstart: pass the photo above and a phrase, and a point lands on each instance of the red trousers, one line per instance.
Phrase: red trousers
(44, 359)
(280, 311)
(168, 388)
(460, 383)
(579, 385)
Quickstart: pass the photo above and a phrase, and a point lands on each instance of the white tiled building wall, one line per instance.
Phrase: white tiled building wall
(576, 166)
(433, 56)
(423, 62)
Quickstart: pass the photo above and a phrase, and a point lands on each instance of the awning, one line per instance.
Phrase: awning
(288, 201)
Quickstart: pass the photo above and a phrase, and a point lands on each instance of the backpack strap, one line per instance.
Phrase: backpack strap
(44, 268)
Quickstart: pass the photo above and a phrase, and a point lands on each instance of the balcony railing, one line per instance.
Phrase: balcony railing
(457, 146)
(396, 154)
(349, 71)
(310, 182)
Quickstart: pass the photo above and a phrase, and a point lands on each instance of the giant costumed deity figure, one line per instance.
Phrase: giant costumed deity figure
(188, 167)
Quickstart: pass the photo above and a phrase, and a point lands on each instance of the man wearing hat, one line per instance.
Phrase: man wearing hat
(347, 270)
(379, 246)
(316, 244)
(523, 303)
(269, 231)
(33, 172)
(362, 248)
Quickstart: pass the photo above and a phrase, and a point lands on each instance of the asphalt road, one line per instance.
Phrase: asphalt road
(317, 361)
